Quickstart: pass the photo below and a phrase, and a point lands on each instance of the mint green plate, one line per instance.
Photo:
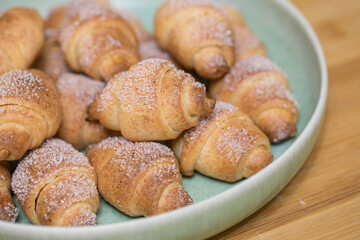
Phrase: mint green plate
(293, 45)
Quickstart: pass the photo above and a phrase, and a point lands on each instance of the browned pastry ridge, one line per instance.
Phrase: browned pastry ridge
(96, 40)
(8, 210)
(152, 101)
(29, 111)
(56, 185)
(198, 34)
(247, 44)
(139, 179)
(76, 93)
(21, 38)
(260, 89)
(225, 145)
(51, 59)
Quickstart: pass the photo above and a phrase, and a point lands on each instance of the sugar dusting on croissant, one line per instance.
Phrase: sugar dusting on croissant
(225, 145)
(259, 88)
(56, 185)
(97, 41)
(198, 34)
(76, 93)
(30, 111)
(8, 210)
(138, 178)
(152, 101)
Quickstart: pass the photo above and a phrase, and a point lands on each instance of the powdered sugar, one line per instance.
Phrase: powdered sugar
(135, 157)
(140, 85)
(234, 142)
(211, 28)
(271, 89)
(11, 211)
(150, 49)
(37, 166)
(221, 109)
(246, 68)
(21, 84)
(85, 217)
(83, 88)
(245, 40)
(68, 191)
(173, 6)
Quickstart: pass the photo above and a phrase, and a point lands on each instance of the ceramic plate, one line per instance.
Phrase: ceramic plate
(292, 44)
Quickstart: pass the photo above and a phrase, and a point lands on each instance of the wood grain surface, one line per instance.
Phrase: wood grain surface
(323, 199)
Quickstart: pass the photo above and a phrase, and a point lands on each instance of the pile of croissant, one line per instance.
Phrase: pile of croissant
(91, 77)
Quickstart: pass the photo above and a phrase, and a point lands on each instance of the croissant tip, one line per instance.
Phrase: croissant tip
(278, 125)
(259, 159)
(4, 154)
(211, 64)
(210, 105)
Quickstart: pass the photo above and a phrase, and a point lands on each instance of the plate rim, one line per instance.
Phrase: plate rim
(315, 122)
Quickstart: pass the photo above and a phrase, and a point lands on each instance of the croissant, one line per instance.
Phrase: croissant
(96, 40)
(51, 59)
(225, 145)
(56, 185)
(21, 38)
(139, 179)
(8, 210)
(198, 34)
(141, 33)
(259, 88)
(247, 44)
(150, 49)
(152, 101)
(76, 93)
(54, 21)
(29, 111)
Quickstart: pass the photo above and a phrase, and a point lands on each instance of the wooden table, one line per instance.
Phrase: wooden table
(323, 199)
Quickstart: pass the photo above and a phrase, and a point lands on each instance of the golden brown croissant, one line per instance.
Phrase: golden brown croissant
(150, 49)
(259, 88)
(139, 179)
(198, 33)
(51, 60)
(29, 111)
(225, 145)
(8, 210)
(56, 185)
(247, 44)
(54, 21)
(97, 41)
(152, 101)
(76, 93)
(21, 38)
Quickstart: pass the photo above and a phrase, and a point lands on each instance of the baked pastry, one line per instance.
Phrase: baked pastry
(8, 210)
(51, 59)
(150, 49)
(56, 185)
(247, 44)
(225, 145)
(76, 93)
(141, 33)
(96, 40)
(29, 111)
(198, 34)
(21, 38)
(260, 89)
(152, 101)
(139, 179)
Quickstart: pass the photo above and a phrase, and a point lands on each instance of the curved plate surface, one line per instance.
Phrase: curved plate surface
(292, 44)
